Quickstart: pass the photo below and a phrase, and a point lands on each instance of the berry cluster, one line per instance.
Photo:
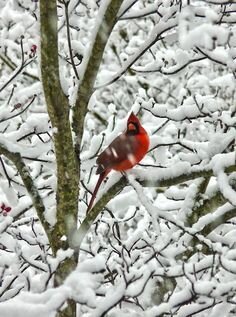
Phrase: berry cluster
(33, 50)
(4, 209)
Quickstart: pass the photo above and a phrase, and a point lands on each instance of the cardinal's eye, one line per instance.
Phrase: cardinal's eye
(132, 127)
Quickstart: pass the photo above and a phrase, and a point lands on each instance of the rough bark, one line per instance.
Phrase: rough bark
(67, 167)
(68, 164)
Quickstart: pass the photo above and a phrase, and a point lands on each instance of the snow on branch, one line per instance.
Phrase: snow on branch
(164, 24)
(30, 186)
(183, 173)
(106, 20)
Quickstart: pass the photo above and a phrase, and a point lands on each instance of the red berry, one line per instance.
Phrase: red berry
(3, 206)
(33, 48)
(7, 209)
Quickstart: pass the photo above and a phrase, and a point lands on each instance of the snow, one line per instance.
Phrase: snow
(98, 24)
(27, 310)
(45, 304)
(51, 215)
(160, 28)
(113, 297)
(203, 35)
(5, 223)
(163, 244)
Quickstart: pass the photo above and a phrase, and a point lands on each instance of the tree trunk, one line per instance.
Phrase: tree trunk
(69, 311)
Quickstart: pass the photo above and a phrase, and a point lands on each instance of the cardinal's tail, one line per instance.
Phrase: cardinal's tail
(100, 179)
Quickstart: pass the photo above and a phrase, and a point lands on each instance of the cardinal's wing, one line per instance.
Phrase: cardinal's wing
(119, 150)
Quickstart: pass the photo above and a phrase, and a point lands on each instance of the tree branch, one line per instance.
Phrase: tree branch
(78, 236)
(58, 109)
(13, 67)
(23, 171)
(182, 178)
(106, 19)
(154, 37)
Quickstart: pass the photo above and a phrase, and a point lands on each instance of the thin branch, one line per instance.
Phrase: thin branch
(20, 112)
(126, 8)
(36, 159)
(173, 70)
(11, 94)
(211, 58)
(171, 144)
(155, 36)
(18, 70)
(5, 171)
(13, 67)
(66, 4)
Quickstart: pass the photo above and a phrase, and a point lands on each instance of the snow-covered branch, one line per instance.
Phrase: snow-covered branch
(29, 184)
(160, 240)
(106, 20)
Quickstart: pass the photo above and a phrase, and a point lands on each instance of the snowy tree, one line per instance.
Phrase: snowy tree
(160, 239)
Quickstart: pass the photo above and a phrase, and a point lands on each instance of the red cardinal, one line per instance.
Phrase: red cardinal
(123, 153)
